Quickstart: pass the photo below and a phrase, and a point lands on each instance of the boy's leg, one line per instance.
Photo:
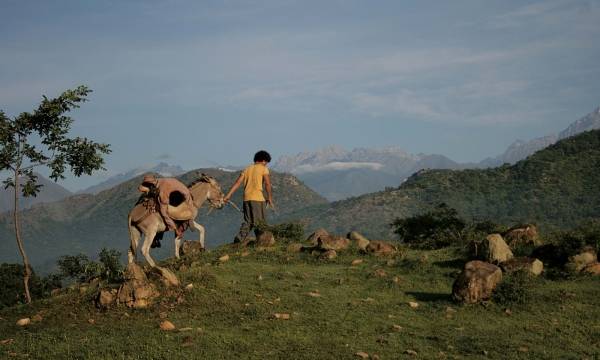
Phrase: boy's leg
(259, 216)
(246, 224)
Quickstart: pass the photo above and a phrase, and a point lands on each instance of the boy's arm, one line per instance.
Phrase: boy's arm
(235, 186)
(267, 180)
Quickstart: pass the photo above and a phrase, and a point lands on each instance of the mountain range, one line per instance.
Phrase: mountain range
(337, 173)
(49, 192)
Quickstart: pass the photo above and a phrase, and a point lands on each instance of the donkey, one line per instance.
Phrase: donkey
(144, 218)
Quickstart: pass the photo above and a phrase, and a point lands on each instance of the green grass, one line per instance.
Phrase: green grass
(230, 313)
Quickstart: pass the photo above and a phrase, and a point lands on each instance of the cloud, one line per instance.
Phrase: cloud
(164, 156)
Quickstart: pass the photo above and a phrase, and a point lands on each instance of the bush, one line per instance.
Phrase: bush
(290, 231)
(515, 288)
(11, 283)
(81, 268)
(435, 229)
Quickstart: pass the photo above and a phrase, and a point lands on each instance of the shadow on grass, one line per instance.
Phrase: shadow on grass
(430, 297)
(451, 264)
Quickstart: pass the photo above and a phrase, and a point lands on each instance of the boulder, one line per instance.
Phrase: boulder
(191, 247)
(106, 298)
(495, 249)
(136, 292)
(294, 248)
(313, 238)
(592, 269)
(360, 241)
(476, 282)
(531, 265)
(331, 242)
(586, 257)
(265, 239)
(168, 277)
(380, 248)
(526, 234)
(329, 255)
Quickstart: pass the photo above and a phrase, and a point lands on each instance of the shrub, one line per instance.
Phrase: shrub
(81, 268)
(515, 288)
(434, 229)
(292, 231)
(13, 291)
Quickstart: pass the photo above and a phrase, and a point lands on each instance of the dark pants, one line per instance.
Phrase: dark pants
(254, 216)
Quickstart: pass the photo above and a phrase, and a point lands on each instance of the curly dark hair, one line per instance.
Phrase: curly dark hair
(262, 156)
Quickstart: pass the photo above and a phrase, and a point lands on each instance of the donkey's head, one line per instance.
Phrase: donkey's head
(214, 194)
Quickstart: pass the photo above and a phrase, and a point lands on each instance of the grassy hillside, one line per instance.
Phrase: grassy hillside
(86, 223)
(556, 187)
(336, 310)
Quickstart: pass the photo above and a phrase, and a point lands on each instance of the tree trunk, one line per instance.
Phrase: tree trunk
(26, 265)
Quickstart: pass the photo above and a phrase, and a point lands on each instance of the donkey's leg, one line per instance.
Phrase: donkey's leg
(134, 237)
(177, 245)
(201, 232)
(148, 238)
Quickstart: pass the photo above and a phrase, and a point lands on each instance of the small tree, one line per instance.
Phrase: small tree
(39, 139)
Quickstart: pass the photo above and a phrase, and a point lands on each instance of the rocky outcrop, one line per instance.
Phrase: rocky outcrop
(523, 235)
(265, 239)
(191, 248)
(586, 257)
(493, 249)
(313, 238)
(359, 240)
(332, 242)
(531, 265)
(136, 292)
(476, 282)
(380, 248)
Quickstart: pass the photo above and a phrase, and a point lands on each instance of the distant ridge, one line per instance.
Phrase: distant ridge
(50, 192)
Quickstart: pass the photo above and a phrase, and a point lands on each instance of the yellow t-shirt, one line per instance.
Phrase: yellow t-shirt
(253, 179)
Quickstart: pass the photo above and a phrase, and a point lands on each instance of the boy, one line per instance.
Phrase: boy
(254, 201)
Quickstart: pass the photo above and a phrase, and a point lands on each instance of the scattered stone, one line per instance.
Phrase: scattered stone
(245, 253)
(168, 277)
(331, 242)
(526, 234)
(294, 248)
(380, 273)
(476, 282)
(224, 258)
(357, 262)
(450, 310)
(313, 239)
(91, 321)
(191, 247)
(137, 292)
(37, 318)
(166, 325)
(106, 298)
(411, 352)
(281, 316)
(360, 241)
(523, 349)
(397, 328)
(381, 248)
(396, 280)
(265, 239)
(260, 278)
(531, 265)
(329, 255)
(189, 287)
(7, 341)
(314, 294)
(362, 355)
(413, 305)
(24, 322)
(592, 269)
(55, 292)
(580, 261)
(495, 249)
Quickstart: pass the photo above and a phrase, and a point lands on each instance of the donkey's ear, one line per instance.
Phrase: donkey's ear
(204, 177)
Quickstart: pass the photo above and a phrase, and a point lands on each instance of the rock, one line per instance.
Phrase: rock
(592, 269)
(106, 298)
(167, 326)
(396, 328)
(55, 292)
(314, 294)
(294, 248)
(360, 241)
(224, 258)
(357, 262)
(280, 316)
(476, 282)
(362, 355)
(329, 255)
(495, 249)
(413, 305)
(380, 248)
(189, 287)
(191, 247)
(531, 265)
(313, 238)
(586, 257)
(411, 352)
(137, 292)
(526, 234)
(265, 239)
(380, 273)
(37, 318)
(331, 242)
(168, 278)
(24, 322)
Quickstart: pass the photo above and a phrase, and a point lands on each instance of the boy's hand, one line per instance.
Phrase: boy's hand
(270, 203)
(226, 199)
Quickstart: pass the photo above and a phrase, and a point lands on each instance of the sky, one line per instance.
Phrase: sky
(201, 83)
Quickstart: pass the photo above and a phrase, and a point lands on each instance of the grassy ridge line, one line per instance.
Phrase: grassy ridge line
(233, 305)
(556, 187)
